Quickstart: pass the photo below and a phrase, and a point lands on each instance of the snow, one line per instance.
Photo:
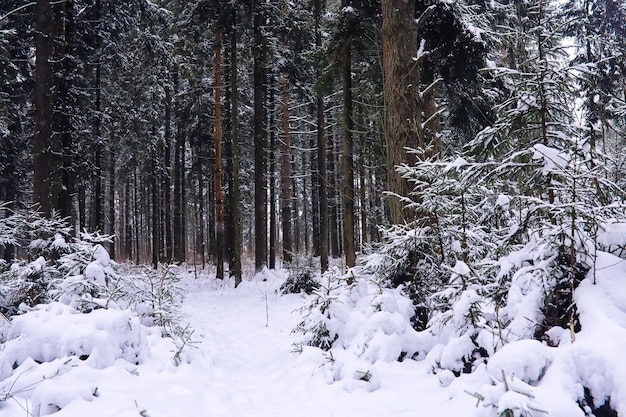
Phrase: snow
(245, 364)
(247, 361)
(553, 159)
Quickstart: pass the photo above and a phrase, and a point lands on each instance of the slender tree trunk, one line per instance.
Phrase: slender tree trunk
(272, 182)
(128, 236)
(154, 189)
(179, 238)
(136, 218)
(335, 234)
(260, 139)
(362, 185)
(64, 121)
(47, 145)
(347, 154)
(98, 222)
(401, 85)
(112, 203)
(219, 204)
(286, 190)
(167, 180)
(234, 137)
(321, 151)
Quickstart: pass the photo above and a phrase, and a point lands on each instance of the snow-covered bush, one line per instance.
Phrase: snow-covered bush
(56, 331)
(302, 275)
(358, 322)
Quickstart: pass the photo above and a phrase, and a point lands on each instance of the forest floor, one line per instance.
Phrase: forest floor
(254, 370)
(245, 362)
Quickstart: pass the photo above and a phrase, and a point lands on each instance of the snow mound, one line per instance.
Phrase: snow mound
(55, 331)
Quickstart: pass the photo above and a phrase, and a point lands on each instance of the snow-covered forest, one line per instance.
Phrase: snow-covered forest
(298, 208)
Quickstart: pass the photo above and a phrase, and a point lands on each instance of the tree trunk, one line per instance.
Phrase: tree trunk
(64, 121)
(219, 204)
(167, 180)
(180, 245)
(234, 137)
(347, 154)
(154, 188)
(401, 85)
(286, 190)
(335, 234)
(112, 203)
(321, 151)
(362, 187)
(272, 182)
(47, 145)
(260, 139)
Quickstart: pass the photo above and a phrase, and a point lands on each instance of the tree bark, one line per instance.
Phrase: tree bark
(260, 139)
(234, 137)
(179, 238)
(219, 204)
(347, 152)
(401, 86)
(286, 191)
(321, 151)
(167, 180)
(47, 145)
(272, 182)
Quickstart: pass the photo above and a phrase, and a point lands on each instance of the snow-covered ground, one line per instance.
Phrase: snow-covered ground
(245, 363)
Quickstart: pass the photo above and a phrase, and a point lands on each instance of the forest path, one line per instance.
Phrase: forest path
(253, 372)
(249, 344)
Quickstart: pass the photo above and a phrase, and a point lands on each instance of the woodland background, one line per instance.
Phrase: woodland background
(201, 130)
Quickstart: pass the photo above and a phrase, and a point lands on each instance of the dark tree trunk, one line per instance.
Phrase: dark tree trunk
(234, 137)
(286, 189)
(112, 203)
(219, 205)
(260, 139)
(179, 238)
(63, 116)
(321, 152)
(47, 145)
(167, 182)
(347, 153)
(272, 186)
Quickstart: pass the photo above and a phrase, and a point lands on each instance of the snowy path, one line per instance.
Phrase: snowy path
(253, 372)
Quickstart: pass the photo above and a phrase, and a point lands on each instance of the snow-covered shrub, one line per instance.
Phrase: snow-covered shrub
(24, 283)
(358, 322)
(156, 296)
(302, 275)
(57, 331)
(57, 266)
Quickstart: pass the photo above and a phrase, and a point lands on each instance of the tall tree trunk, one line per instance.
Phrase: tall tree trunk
(234, 137)
(272, 180)
(64, 121)
(335, 234)
(129, 221)
(98, 198)
(401, 85)
(321, 151)
(47, 145)
(260, 139)
(154, 190)
(112, 202)
(362, 186)
(167, 179)
(219, 204)
(286, 190)
(347, 152)
(180, 245)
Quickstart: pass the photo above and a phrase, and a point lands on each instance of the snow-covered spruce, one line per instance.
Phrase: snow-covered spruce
(355, 322)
